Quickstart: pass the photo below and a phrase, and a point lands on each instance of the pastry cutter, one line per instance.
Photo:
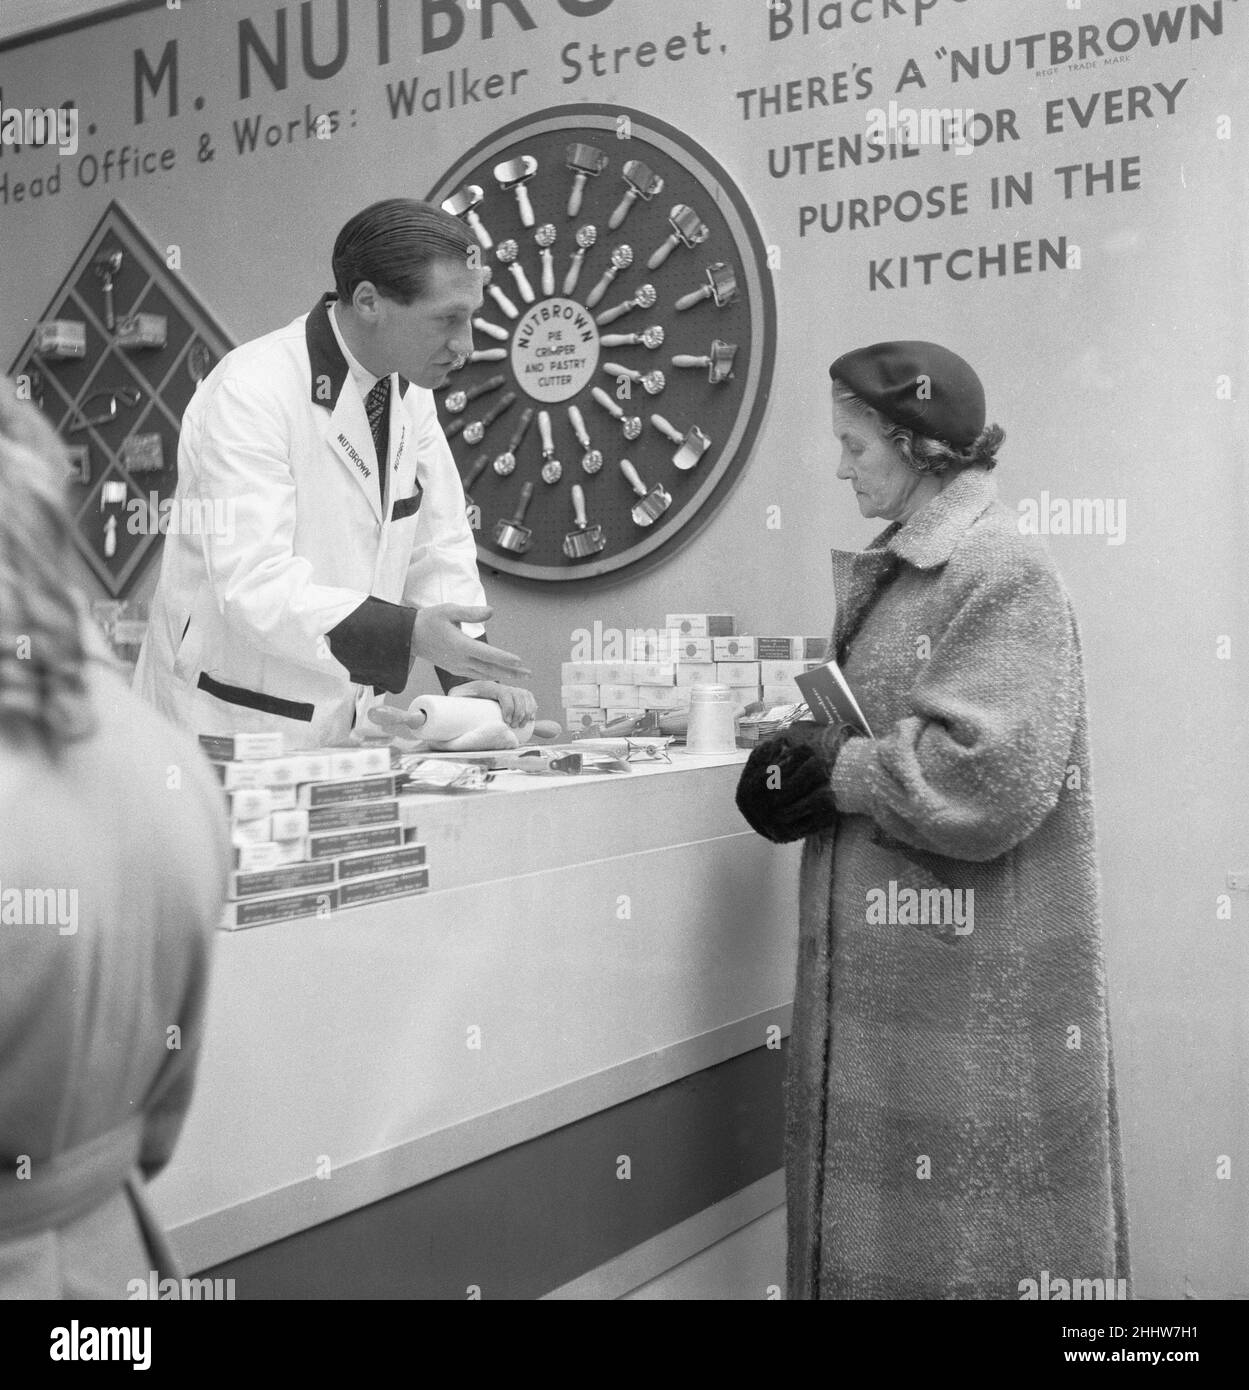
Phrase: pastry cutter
(642, 183)
(586, 162)
(654, 503)
(584, 539)
(464, 203)
(512, 535)
(515, 174)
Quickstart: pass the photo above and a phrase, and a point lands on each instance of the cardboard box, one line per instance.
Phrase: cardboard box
(744, 694)
(333, 843)
(654, 673)
(702, 624)
(243, 747)
(356, 892)
(358, 762)
(253, 858)
(579, 672)
(737, 672)
(384, 861)
(697, 673)
(616, 672)
(779, 648)
(663, 696)
(282, 880)
(582, 718)
(618, 696)
(289, 825)
(256, 831)
(815, 648)
(694, 649)
(570, 696)
(733, 649)
(355, 789)
(779, 672)
(352, 813)
(786, 693)
(142, 331)
(282, 798)
(255, 912)
(58, 339)
(250, 803)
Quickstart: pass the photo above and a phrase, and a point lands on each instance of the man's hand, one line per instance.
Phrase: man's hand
(517, 706)
(436, 638)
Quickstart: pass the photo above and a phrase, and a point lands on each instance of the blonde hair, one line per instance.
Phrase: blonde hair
(920, 452)
(43, 691)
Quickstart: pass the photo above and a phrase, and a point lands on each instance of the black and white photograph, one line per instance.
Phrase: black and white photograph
(623, 637)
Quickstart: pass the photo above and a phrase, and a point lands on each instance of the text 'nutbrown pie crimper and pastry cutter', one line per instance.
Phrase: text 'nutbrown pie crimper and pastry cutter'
(583, 540)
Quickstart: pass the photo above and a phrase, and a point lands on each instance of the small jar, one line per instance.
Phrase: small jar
(711, 726)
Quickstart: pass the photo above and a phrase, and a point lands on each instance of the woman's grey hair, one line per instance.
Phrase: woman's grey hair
(43, 690)
(922, 453)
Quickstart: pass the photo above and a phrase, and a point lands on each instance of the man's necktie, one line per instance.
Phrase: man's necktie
(377, 408)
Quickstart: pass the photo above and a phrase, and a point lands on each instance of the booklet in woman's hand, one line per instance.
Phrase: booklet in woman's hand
(830, 699)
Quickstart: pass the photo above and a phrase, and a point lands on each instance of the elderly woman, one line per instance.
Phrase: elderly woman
(951, 1118)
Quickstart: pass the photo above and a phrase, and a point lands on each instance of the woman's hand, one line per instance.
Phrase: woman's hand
(784, 791)
(517, 705)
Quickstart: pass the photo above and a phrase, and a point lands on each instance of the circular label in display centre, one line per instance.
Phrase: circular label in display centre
(555, 350)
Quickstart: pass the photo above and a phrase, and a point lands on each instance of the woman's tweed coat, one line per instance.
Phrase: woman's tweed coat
(951, 1126)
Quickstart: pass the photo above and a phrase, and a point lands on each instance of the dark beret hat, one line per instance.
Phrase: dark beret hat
(887, 376)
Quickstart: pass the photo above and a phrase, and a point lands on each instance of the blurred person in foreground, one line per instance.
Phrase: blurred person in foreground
(952, 1128)
(113, 862)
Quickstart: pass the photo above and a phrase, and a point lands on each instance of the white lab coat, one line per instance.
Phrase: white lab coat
(279, 532)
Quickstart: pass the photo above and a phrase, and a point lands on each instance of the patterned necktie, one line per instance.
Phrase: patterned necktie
(377, 408)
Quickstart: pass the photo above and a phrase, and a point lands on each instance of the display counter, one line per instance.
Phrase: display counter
(586, 941)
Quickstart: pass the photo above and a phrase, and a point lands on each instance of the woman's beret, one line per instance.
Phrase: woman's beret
(923, 386)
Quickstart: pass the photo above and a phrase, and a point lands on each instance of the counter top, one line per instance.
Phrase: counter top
(580, 945)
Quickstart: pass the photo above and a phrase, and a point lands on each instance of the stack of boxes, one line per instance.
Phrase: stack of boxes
(313, 833)
(696, 648)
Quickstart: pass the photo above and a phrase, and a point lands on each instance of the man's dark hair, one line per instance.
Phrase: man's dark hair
(393, 243)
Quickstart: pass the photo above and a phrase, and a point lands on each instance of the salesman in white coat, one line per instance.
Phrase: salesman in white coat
(331, 546)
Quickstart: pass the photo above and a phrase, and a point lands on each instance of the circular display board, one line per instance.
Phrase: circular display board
(624, 350)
